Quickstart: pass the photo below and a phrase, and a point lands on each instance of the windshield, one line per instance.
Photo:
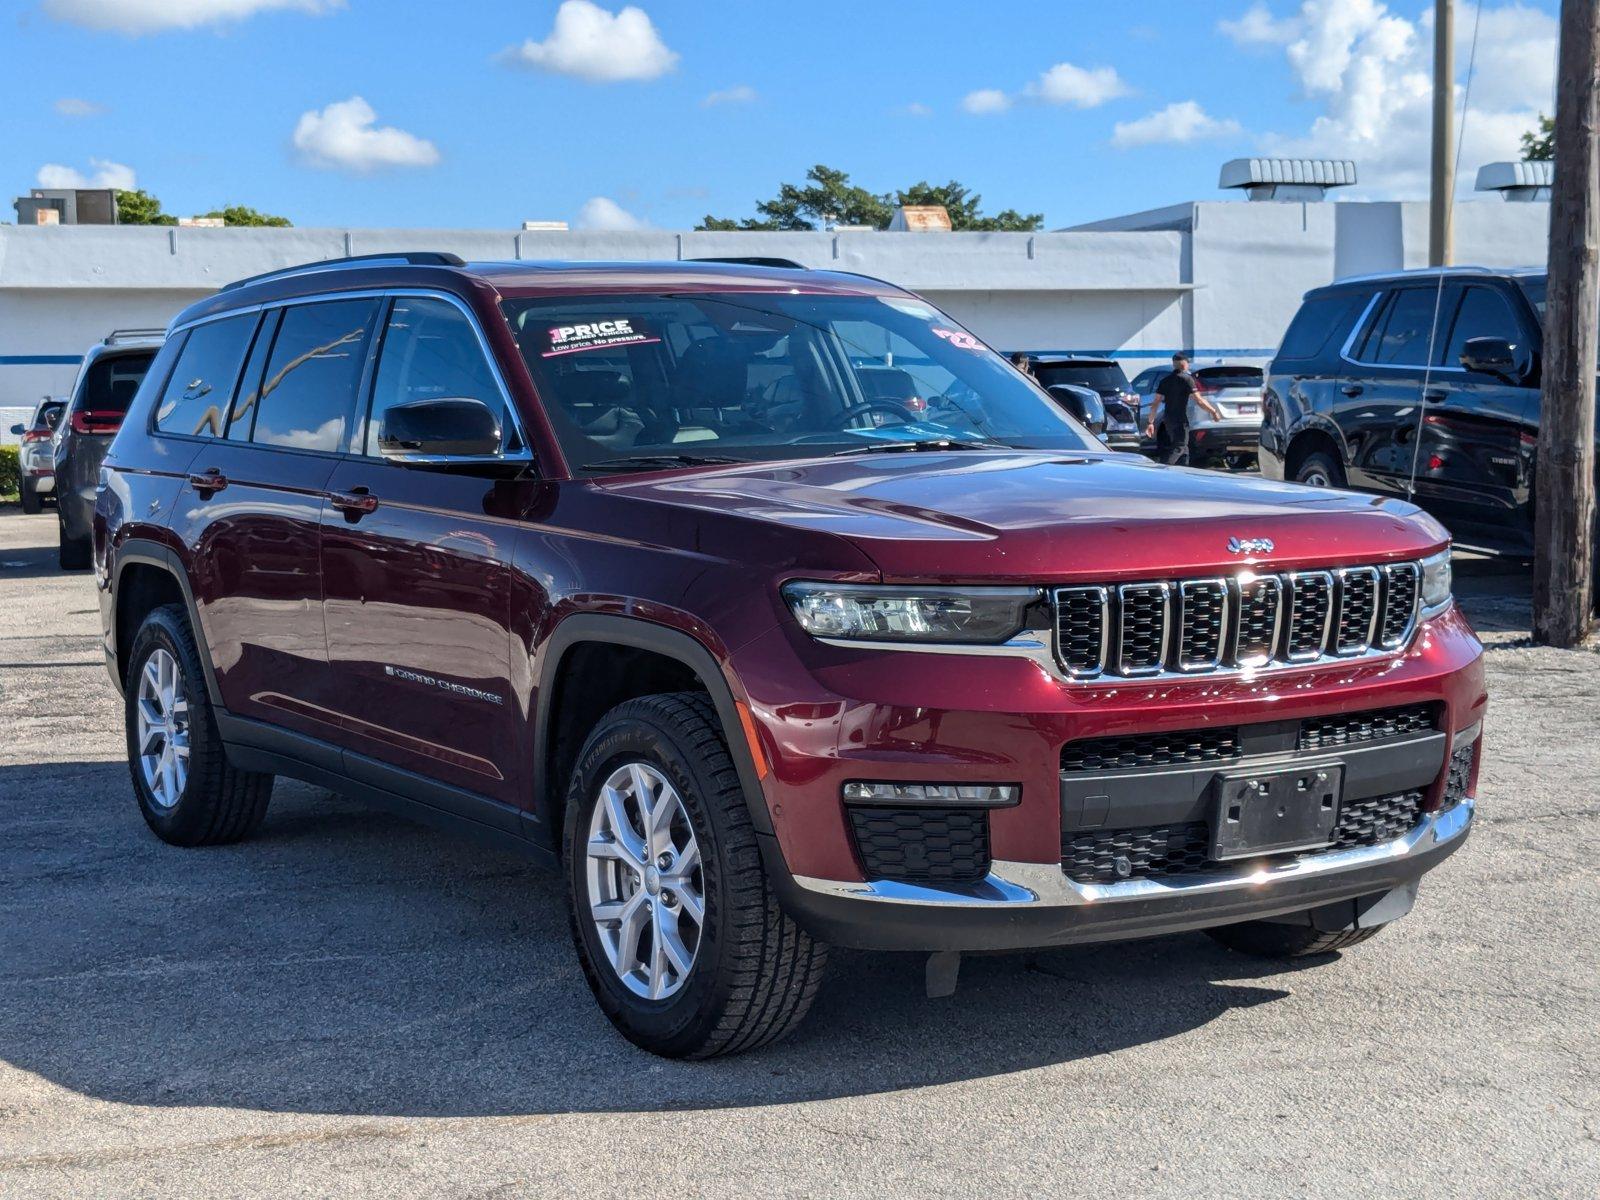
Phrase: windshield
(1102, 377)
(757, 377)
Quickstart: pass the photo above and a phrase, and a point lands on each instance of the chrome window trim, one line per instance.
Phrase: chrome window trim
(1349, 342)
(1373, 623)
(1184, 588)
(382, 293)
(1165, 654)
(1301, 656)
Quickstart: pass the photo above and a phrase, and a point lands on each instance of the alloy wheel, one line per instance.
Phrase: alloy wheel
(646, 884)
(163, 728)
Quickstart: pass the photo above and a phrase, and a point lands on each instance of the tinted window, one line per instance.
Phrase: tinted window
(1405, 333)
(1230, 377)
(111, 381)
(310, 385)
(1102, 377)
(195, 400)
(1316, 321)
(1483, 313)
(430, 351)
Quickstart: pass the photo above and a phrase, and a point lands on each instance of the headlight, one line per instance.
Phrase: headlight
(1435, 582)
(868, 612)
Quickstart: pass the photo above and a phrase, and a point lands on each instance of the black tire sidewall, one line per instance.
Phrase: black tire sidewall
(678, 1024)
(32, 502)
(186, 822)
(1318, 460)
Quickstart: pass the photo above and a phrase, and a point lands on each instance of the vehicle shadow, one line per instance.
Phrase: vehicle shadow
(33, 560)
(1495, 593)
(347, 961)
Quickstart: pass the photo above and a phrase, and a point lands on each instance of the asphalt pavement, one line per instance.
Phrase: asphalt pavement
(352, 1004)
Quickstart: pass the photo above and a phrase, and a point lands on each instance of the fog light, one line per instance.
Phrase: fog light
(982, 795)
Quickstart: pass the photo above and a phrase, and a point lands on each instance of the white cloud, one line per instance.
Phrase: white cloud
(106, 174)
(985, 101)
(153, 16)
(342, 137)
(603, 213)
(1184, 121)
(591, 43)
(1258, 27)
(914, 109)
(741, 93)
(1371, 71)
(72, 106)
(1081, 87)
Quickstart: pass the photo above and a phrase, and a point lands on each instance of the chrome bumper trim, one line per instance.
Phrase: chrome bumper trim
(1015, 884)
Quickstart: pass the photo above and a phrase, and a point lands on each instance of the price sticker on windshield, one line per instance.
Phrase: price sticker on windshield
(596, 335)
(959, 338)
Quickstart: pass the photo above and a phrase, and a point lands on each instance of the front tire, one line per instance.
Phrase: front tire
(188, 791)
(32, 502)
(675, 922)
(74, 553)
(1264, 939)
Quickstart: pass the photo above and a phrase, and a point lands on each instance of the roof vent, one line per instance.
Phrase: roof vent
(1287, 178)
(921, 218)
(1517, 180)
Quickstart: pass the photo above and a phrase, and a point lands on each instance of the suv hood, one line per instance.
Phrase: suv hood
(1027, 515)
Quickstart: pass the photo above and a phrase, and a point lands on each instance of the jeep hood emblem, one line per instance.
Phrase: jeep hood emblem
(1239, 545)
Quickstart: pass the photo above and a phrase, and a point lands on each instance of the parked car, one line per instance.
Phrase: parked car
(1231, 439)
(1353, 401)
(1103, 376)
(543, 554)
(35, 467)
(106, 383)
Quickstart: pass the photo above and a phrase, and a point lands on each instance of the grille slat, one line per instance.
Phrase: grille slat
(1195, 626)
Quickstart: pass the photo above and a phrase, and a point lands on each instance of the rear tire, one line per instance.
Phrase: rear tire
(1263, 939)
(75, 553)
(193, 796)
(32, 502)
(751, 973)
(1318, 469)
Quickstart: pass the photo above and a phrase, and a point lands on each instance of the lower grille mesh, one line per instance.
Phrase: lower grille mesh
(1151, 750)
(922, 845)
(1344, 729)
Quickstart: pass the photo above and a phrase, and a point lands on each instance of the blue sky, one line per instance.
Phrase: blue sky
(404, 113)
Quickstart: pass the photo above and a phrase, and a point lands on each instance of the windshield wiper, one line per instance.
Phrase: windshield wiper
(921, 444)
(660, 460)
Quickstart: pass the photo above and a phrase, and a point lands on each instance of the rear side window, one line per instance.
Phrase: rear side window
(111, 381)
(430, 352)
(1316, 323)
(1404, 335)
(310, 386)
(195, 400)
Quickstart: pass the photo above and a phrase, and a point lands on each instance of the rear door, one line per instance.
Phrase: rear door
(250, 515)
(1376, 402)
(416, 571)
(1477, 430)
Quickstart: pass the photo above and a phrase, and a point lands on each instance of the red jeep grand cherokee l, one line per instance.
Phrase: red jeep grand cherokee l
(780, 611)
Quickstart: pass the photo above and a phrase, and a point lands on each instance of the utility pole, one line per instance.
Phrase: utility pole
(1441, 195)
(1563, 570)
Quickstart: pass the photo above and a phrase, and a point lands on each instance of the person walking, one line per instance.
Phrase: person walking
(1023, 363)
(1172, 410)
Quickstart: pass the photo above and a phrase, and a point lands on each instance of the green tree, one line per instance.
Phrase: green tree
(1540, 146)
(828, 196)
(964, 209)
(141, 208)
(240, 214)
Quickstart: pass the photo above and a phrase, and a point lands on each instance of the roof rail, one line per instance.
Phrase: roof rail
(133, 335)
(786, 264)
(414, 258)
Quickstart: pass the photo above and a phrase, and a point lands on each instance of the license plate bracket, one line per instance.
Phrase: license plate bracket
(1275, 811)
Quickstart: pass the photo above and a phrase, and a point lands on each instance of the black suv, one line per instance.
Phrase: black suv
(1420, 384)
(106, 384)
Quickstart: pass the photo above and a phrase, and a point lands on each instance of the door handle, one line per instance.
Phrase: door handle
(208, 482)
(1352, 389)
(355, 503)
(1434, 396)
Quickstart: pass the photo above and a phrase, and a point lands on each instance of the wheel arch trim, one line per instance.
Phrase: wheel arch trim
(145, 552)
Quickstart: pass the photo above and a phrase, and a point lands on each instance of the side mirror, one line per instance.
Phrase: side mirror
(18, 430)
(1491, 356)
(449, 427)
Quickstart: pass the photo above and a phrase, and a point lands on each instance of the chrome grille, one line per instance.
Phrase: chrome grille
(1195, 626)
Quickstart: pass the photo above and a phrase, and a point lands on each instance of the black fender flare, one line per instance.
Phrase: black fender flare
(154, 554)
(1313, 424)
(608, 629)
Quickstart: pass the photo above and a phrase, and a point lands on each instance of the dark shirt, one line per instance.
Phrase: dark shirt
(1175, 391)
